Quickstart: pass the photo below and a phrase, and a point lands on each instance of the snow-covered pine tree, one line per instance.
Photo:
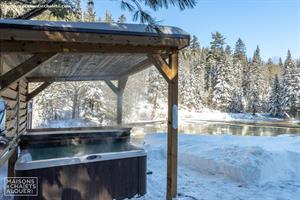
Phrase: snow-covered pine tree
(122, 19)
(78, 10)
(90, 14)
(215, 60)
(256, 83)
(108, 17)
(275, 106)
(241, 77)
(291, 85)
(228, 50)
(222, 93)
(234, 77)
(220, 67)
(156, 92)
(191, 76)
(280, 62)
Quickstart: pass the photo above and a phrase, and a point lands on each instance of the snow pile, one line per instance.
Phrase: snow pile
(227, 167)
(242, 164)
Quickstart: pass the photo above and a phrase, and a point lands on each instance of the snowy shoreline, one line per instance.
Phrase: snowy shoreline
(217, 116)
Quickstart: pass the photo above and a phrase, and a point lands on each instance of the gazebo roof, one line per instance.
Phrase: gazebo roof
(94, 27)
(85, 51)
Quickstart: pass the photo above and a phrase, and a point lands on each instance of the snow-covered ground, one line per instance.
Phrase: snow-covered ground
(214, 115)
(227, 167)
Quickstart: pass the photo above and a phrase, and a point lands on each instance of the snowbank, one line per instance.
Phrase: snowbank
(227, 167)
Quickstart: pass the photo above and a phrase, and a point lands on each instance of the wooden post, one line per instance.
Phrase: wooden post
(119, 108)
(121, 87)
(172, 130)
(119, 91)
(170, 72)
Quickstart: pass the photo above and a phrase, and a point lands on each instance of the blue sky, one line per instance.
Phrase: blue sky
(272, 24)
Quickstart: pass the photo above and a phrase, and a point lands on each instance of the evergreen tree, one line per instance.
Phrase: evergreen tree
(241, 67)
(194, 43)
(240, 51)
(122, 19)
(90, 14)
(222, 90)
(156, 92)
(214, 59)
(228, 50)
(291, 85)
(256, 83)
(108, 17)
(78, 11)
(218, 41)
(275, 106)
(280, 62)
(270, 61)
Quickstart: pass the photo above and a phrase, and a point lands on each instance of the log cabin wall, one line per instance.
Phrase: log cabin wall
(16, 110)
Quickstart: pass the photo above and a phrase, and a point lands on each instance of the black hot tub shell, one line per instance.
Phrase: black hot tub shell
(85, 165)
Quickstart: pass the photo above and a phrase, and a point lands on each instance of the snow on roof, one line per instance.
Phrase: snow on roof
(93, 27)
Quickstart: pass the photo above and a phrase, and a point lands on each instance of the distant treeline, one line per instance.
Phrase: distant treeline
(220, 78)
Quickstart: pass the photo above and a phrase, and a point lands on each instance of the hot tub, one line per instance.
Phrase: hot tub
(83, 165)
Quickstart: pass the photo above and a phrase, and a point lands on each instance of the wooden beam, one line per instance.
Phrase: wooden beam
(114, 88)
(137, 68)
(23, 69)
(46, 47)
(72, 78)
(37, 90)
(166, 70)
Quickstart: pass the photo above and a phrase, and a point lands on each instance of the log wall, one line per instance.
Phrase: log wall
(16, 111)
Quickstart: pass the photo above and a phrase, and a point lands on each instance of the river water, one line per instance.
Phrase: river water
(219, 128)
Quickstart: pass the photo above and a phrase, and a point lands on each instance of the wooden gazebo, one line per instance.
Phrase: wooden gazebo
(45, 51)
